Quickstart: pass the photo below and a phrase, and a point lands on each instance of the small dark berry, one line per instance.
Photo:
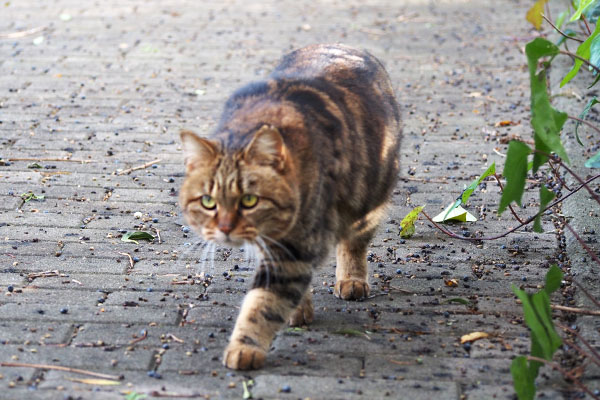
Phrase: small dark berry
(64, 310)
(10, 288)
(286, 389)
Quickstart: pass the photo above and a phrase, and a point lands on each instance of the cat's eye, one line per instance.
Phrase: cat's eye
(208, 202)
(249, 200)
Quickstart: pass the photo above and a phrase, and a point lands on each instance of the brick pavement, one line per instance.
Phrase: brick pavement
(111, 85)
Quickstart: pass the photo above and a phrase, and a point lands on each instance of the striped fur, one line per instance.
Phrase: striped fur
(317, 143)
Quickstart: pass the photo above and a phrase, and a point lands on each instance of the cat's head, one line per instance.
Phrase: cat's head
(233, 196)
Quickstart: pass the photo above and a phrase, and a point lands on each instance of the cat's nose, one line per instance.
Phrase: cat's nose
(226, 222)
(226, 228)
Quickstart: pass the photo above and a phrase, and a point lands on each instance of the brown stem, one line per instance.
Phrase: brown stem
(588, 294)
(577, 177)
(581, 351)
(143, 166)
(59, 368)
(581, 242)
(590, 347)
(584, 122)
(566, 373)
(559, 31)
(575, 310)
(527, 221)
(586, 62)
(512, 210)
(551, 164)
(12, 159)
(586, 24)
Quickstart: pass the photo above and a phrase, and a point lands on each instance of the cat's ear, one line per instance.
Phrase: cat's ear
(266, 147)
(197, 151)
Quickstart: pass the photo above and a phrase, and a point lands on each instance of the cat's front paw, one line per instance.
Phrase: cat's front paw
(240, 356)
(351, 289)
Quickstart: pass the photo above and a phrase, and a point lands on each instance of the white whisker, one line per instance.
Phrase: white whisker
(276, 243)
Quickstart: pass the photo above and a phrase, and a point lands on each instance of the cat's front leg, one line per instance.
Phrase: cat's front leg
(277, 291)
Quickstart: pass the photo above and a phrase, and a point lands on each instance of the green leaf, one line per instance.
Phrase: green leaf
(584, 51)
(569, 32)
(595, 52)
(593, 12)
(534, 15)
(407, 225)
(515, 171)
(554, 278)
(583, 4)
(454, 213)
(546, 197)
(538, 317)
(34, 166)
(561, 19)
(134, 236)
(523, 381)
(585, 112)
(471, 188)
(458, 300)
(545, 120)
(349, 331)
(593, 162)
(135, 396)
(247, 393)
(27, 197)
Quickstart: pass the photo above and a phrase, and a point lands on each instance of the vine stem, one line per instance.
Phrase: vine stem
(566, 373)
(577, 177)
(575, 310)
(561, 32)
(551, 164)
(586, 24)
(590, 347)
(584, 122)
(527, 221)
(512, 210)
(582, 243)
(586, 62)
(588, 294)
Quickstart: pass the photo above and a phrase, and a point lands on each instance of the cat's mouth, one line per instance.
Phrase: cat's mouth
(226, 240)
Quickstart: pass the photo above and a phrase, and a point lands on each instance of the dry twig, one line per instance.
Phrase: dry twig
(59, 368)
(130, 170)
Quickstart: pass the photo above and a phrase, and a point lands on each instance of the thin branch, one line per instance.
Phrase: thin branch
(51, 159)
(131, 263)
(551, 164)
(588, 294)
(584, 122)
(577, 177)
(586, 24)
(59, 368)
(574, 332)
(130, 170)
(581, 351)
(582, 243)
(512, 210)
(575, 310)
(586, 62)
(561, 32)
(21, 34)
(566, 373)
(527, 221)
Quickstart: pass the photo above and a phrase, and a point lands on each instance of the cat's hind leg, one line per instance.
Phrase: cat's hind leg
(304, 313)
(351, 271)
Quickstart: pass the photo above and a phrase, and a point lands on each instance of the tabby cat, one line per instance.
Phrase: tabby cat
(298, 163)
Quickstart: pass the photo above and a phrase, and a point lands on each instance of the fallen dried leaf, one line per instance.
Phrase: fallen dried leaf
(473, 336)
